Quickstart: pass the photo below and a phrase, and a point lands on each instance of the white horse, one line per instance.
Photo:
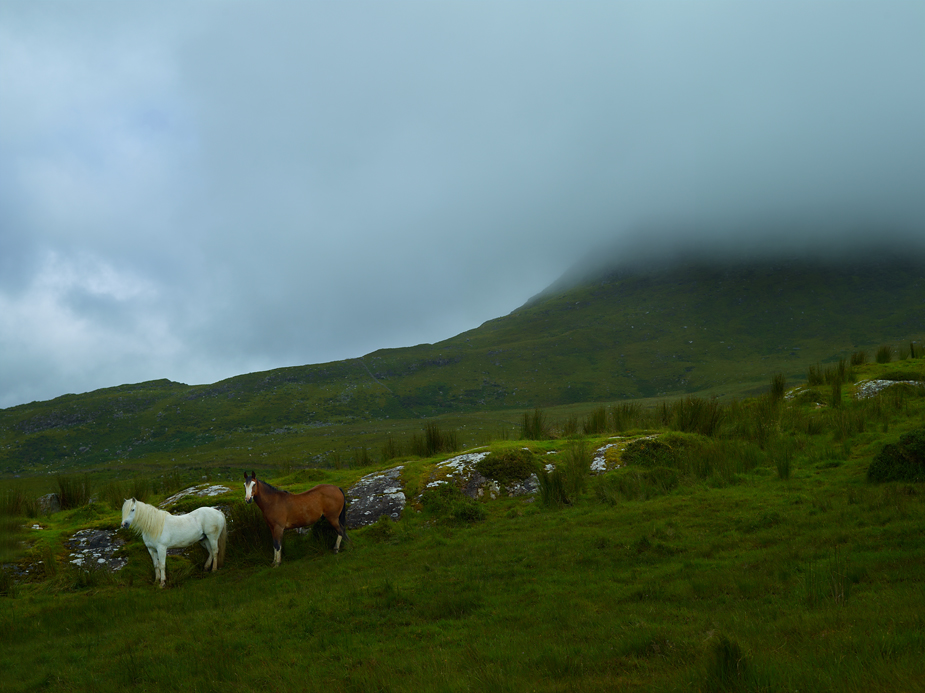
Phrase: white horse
(161, 531)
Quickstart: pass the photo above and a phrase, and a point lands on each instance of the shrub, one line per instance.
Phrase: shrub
(508, 466)
(648, 452)
(448, 503)
(903, 461)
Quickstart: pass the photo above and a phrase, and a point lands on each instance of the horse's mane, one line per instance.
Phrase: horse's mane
(149, 520)
(272, 487)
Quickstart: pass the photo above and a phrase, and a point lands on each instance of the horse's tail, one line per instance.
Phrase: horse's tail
(222, 542)
(342, 520)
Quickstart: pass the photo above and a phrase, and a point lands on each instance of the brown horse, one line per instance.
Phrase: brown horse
(283, 510)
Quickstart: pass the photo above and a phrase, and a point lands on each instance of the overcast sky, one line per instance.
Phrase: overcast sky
(196, 190)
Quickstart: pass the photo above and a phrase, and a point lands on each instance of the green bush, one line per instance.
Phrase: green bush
(447, 503)
(648, 452)
(903, 461)
(508, 466)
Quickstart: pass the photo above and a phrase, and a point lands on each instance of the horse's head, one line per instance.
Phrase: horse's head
(128, 512)
(250, 486)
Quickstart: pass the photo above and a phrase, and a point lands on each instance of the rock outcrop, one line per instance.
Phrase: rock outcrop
(374, 496)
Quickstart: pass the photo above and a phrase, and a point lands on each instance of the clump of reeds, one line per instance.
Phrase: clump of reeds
(533, 426)
(434, 441)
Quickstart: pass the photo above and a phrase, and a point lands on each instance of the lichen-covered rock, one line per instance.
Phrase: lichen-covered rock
(93, 549)
(462, 472)
(374, 496)
(200, 491)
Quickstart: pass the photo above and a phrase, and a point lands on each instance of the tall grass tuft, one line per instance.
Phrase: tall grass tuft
(433, 441)
(627, 415)
(696, 415)
(533, 426)
(782, 452)
(836, 393)
(727, 666)
(859, 358)
(596, 423)
(73, 491)
(361, 457)
(884, 353)
(566, 482)
(778, 386)
(115, 492)
(828, 583)
(391, 449)
(249, 538)
(14, 502)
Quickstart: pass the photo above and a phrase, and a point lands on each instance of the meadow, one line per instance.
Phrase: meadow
(740, 546)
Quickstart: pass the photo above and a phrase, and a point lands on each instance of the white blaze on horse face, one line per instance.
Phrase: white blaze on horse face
(127, 517)
(249, 490)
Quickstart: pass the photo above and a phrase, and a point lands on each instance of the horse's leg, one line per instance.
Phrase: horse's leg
(338, 524)
(153, 551)
(206, 543)
(213, 551)
(162, 562)
(277, 545)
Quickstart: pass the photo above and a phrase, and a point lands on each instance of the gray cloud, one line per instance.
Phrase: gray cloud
(194, 192)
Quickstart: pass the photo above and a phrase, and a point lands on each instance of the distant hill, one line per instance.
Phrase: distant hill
(623, 332)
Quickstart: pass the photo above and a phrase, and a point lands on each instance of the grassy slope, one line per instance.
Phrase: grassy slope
(735, 580)
(710, 330)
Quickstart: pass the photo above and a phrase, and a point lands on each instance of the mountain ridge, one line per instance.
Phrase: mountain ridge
(631, 333)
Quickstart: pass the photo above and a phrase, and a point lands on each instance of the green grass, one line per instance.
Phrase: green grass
(698, 565)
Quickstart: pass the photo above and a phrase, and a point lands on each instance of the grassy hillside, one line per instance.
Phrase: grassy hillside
(740, 546)
(637, 334)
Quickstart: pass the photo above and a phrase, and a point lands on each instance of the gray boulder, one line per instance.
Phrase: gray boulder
(49, 504)
(374, 496)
